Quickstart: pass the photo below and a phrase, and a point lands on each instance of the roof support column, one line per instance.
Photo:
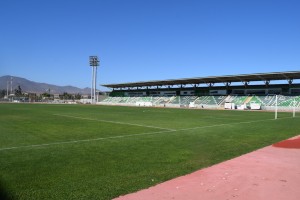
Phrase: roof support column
(267, 83)
(227, 84)
(246, 83)
(210, 84)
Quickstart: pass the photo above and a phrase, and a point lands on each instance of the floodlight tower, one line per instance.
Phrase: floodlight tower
(7, 84)
(11, 83)
(94, 63)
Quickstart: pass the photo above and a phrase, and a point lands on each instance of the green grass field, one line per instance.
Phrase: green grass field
(101, 152)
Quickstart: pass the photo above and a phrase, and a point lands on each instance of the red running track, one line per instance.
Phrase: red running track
(270, 173)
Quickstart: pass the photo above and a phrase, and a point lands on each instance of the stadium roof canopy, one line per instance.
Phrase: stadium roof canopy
(228, 79)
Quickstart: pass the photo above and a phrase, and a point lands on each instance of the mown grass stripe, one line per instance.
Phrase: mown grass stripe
(138, 134)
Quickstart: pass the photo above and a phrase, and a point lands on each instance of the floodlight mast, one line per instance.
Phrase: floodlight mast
(94, 63)
(11, 83)
(7, 84)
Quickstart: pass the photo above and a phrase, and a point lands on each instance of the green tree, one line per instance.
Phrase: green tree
(78, 96)
(18, 91)
(45, 94)
(67, 96)
(2, 93)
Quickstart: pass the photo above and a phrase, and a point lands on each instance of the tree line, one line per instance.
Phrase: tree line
(18, 92)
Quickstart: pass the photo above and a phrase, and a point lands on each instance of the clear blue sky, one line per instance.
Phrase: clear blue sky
(139, 40)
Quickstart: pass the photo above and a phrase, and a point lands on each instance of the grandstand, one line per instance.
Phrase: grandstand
(208, 92)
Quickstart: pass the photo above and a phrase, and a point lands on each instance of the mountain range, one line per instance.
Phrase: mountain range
(35, 87)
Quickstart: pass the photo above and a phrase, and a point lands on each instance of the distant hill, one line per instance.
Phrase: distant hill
(35, 87)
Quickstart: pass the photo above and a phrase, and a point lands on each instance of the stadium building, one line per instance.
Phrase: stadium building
(212, 91)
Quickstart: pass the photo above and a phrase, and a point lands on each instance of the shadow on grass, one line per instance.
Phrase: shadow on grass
(4, 193)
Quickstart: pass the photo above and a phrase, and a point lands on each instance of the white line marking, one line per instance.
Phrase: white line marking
(131, 135)
(114, 122)
(219, 118)
(247, 122)
(85, 140)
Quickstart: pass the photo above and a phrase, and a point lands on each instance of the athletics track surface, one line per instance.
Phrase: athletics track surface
(271, 173)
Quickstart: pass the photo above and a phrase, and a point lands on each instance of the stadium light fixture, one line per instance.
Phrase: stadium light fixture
(94, 62)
